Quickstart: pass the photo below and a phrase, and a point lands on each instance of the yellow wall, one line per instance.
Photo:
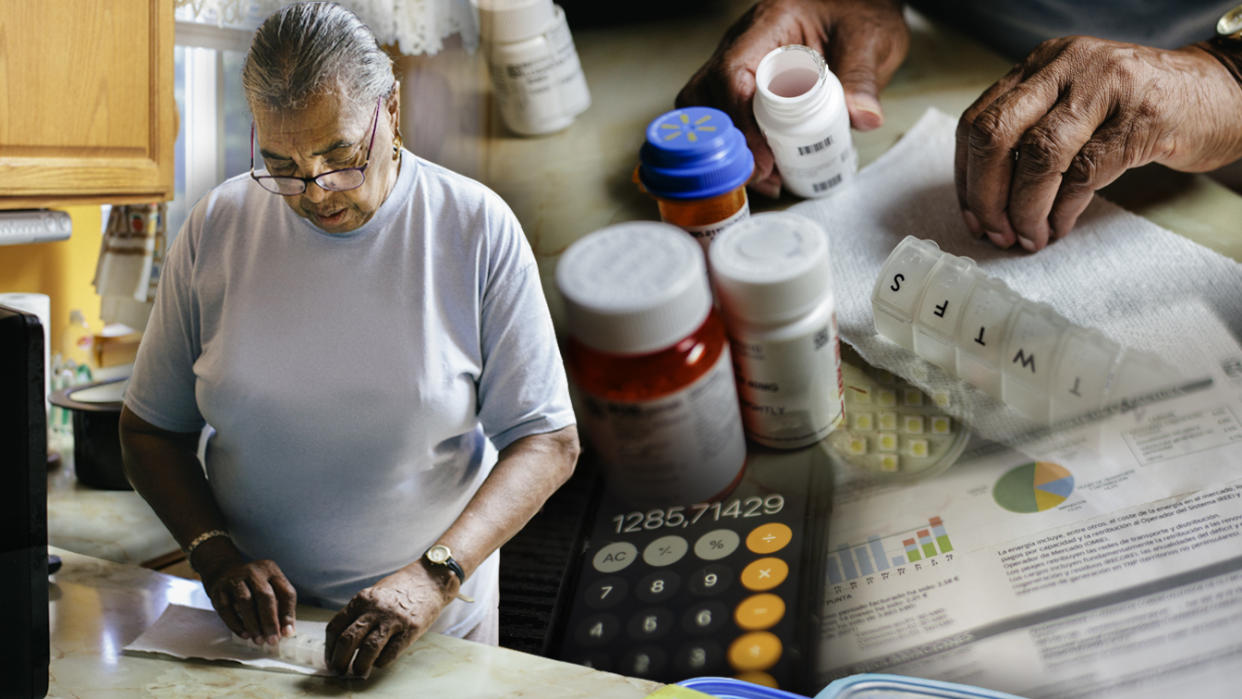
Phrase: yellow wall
(63, 270)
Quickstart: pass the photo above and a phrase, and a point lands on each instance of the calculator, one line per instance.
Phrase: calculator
(724, 588)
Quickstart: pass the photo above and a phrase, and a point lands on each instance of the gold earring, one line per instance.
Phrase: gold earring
(396, 145)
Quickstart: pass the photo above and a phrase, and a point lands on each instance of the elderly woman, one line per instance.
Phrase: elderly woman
(365, 337)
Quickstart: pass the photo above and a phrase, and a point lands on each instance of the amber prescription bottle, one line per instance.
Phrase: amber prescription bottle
(695, 163)
(650, 359)
(773, 278)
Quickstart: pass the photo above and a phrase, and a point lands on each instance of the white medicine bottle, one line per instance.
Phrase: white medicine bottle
(773, 278)
(800, 108)
(534, 67)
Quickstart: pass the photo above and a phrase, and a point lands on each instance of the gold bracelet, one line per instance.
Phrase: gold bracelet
(201, 538)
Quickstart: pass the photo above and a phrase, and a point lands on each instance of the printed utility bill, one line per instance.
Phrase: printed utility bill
(1099, 560)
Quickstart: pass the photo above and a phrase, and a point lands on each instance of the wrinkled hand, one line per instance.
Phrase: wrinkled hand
(863, 42)
(1073, 116)
(254, 598)
(384, 619)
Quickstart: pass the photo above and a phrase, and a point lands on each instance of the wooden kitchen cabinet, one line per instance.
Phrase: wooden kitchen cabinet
(86, 102)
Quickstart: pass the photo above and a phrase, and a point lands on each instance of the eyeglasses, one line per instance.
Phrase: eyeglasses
(341, 180)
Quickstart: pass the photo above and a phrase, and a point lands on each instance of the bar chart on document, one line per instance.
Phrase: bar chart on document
(884, 556)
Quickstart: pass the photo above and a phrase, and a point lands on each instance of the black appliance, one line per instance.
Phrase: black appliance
(24, 655)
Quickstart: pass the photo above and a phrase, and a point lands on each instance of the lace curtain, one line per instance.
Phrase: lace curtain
(412, 26)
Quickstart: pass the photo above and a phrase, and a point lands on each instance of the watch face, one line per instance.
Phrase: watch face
(438, 553)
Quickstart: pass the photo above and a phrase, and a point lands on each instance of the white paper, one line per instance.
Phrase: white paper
(190, 632)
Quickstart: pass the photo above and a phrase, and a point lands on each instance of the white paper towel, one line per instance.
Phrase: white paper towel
(190, 632)
(41, 306)
(1144, 286)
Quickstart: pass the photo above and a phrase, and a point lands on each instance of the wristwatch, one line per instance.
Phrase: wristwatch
(441, 556)
(1229, 26)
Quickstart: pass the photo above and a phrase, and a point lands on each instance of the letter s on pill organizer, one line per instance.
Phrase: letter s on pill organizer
(944, 309)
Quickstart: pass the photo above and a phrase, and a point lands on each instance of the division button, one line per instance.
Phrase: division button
(716, 544)
(597, 629)
(606, 592)
(711, 580)
(761, 611)
(615, 557)
(665, 551)
(757, 650)
(769, 538)
(657, 586)
(764, 574)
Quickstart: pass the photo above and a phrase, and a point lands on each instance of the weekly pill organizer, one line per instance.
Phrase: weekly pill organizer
(944, 309)
(728, 587)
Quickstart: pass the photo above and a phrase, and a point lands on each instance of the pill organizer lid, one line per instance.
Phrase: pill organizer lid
(771, 267)
(514, 20)
(729, 688)
(884, 686)
(634, 288)
(694, 153)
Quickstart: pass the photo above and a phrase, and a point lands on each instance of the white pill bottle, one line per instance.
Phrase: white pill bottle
(800, 108)
(773, 278)
(534, 67)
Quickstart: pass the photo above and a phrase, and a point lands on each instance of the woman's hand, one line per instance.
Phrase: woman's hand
(1074, 115)
(863, 41)
(254, 598)
(384, 619)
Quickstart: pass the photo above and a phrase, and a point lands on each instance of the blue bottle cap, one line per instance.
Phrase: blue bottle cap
(694, 153)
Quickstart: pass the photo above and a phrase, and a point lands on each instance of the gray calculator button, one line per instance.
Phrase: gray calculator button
(702, 657)
(705, 617)
(615, 557)
(597, 629)
(645, 661)
(665, 551)
(650, 624)
(716, 544)
(657, 586)
(711, 580)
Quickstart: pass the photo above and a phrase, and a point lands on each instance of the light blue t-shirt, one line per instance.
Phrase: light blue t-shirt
(1014, 27)
(358, 385)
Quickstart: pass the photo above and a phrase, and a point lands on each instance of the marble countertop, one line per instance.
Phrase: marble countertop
(98, 607)
(115, 525)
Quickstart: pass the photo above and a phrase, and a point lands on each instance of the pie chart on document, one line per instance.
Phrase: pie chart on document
(1033, 487)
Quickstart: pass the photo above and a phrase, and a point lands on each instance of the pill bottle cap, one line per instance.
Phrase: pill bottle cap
(771, 267)
(513, 20)
(634, 288)
(694, 153)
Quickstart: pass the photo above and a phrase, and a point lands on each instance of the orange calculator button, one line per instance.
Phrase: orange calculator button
(769, 538)
(757, 650)
(760, 611)
(762, 679)
(764, 574)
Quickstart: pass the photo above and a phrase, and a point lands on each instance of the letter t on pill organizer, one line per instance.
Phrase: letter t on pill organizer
(944, 309)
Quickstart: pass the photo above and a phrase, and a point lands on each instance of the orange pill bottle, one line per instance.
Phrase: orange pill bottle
(650, 360)
(695, 163)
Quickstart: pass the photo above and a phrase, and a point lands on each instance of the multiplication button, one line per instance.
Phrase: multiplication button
(710, 580)
(615, 557)
(764, 574)
(716, 544)
(606, 592)
(665, 551)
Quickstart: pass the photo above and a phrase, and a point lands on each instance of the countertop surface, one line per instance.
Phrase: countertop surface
(98, 607)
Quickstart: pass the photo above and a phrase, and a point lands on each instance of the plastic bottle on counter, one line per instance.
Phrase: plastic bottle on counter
(800, 108)
(773, 278)
(650, 358)
(535, 71)
(695, 163)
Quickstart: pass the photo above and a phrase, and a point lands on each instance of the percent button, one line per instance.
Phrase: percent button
(716, 544)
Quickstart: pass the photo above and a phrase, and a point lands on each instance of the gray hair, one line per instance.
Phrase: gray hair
(308, 49)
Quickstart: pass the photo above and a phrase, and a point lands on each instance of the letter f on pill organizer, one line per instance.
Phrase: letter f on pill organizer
(944, 309)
